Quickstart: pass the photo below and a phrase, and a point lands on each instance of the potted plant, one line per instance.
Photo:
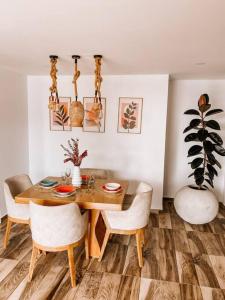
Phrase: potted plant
(72, 155)
(197, 204)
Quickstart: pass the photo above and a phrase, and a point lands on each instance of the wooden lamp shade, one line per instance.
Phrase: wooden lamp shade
(76, 114)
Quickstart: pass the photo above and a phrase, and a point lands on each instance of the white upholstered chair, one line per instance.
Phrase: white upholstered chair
(58, 228)
(17, 213)
(97, 173)
(130, 221)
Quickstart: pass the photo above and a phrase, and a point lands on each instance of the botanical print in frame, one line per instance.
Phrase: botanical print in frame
(60, 120)
(94, 117)
(130, 115)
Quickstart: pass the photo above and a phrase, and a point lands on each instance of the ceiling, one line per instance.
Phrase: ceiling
(185, 38)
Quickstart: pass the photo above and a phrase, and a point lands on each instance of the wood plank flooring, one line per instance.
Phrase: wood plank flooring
(181, 261)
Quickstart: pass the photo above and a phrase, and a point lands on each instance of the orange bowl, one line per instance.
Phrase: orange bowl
(65, 189)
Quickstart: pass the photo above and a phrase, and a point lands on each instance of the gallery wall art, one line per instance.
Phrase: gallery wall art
(59, 119)
(94, 115)
(130, 115)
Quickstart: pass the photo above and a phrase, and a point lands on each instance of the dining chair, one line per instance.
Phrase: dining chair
(131, 221)
(98, 173)
(17, 213)
(58, 228)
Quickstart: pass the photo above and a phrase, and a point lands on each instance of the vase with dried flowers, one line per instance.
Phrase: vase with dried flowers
(72, 154)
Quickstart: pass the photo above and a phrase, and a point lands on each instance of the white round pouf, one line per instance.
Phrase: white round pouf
(196, 206)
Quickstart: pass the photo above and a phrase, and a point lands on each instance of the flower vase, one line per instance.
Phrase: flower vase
(76, 178)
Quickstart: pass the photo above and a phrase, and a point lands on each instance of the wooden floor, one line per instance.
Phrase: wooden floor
(181, 261)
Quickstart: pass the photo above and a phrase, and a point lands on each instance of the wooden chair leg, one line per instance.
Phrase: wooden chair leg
(107, 234)
(86, 241)
(142, 237)
(139, 248)
(72, 266)
(34, 255)
(7, 232)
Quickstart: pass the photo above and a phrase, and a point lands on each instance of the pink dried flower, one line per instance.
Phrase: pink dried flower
(73, 154)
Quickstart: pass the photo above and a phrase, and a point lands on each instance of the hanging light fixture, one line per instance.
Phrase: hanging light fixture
(53, 98)
(97, 105)
(98, 79)
(76, 108)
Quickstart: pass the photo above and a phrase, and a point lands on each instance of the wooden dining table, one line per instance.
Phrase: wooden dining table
(92, 198)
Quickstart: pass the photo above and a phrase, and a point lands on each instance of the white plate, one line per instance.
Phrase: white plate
(112, 186)
(64, 195)
(113, 192)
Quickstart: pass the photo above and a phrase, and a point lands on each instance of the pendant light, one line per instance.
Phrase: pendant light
(76, 108)
(98, 78)
(97, 105)
(53, 98)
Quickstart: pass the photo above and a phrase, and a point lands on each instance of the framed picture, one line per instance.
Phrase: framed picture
(60, 120)
(94, 116)
(130, 115)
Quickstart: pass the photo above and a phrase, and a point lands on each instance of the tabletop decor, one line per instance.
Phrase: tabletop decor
(59, 119)
(72, 155)
(130, 115)
(76, 108)
(197, 204)
(94, 117)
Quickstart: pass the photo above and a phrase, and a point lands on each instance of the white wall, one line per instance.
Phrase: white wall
(132, 156)
(184, 94)
(13, 128)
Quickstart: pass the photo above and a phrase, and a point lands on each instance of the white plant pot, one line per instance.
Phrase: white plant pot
(196, 206)
(76, 178)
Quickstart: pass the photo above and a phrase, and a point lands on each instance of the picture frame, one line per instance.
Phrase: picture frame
(130, 115)
(94, 117)
(60, 121)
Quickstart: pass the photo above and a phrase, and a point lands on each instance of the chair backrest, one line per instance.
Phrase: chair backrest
(97, 173)
(139, 210)
(56, 226)
(17, 184)
(12, 187)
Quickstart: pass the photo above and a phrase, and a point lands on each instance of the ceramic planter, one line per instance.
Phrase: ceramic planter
(196, 206)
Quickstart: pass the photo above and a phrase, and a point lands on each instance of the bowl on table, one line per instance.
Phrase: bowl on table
(48, 183)
(85, 179)
(112, 187)
(65, 190)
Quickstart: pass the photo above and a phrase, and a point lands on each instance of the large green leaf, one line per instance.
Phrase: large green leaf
(199, 180)
(212, 160)
(204, 108)
(213, 124)
(195, 122)
(196, 162)
(216, 138)
(210, 175)
(191, 137)
(187, 129)
(202, 134)
(190, 175)
(209, 182)
(208, 146)
(198, 172)
(191, 112)
(213, 111)
(212, 170)
(219, 150)
(194, 150)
